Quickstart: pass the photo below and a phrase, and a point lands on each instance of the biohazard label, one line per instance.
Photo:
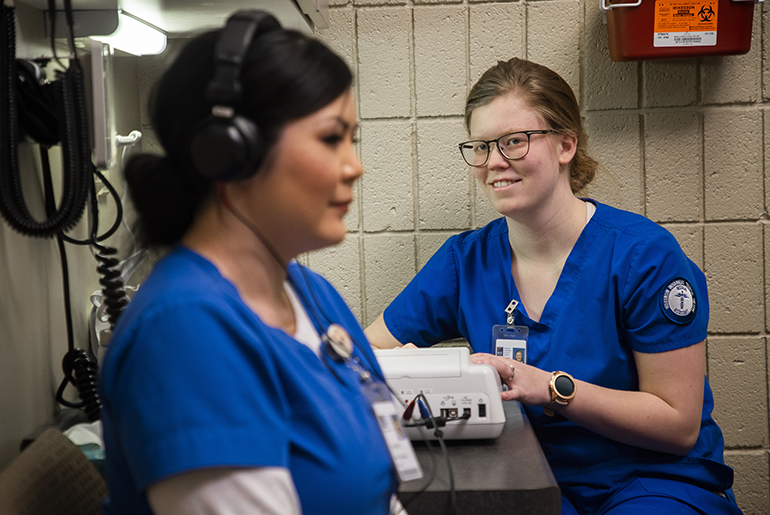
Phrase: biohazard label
(679, 23)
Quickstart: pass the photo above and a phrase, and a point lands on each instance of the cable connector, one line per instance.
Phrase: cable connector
(439, 422)
(430, 423)
(409, 410)
(424, 411)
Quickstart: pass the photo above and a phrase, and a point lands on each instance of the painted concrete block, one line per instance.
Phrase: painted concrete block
(388, 191)
(607, 85)
(734, 78)
(734, 270)
(489, 44)
(353, 218)
(766, 233)
(751, 480)
(553, 38)
(440, 58)
(690, 238)
(669, 82)
(341, 265)
(733, 164)
(340, 35)
(364, 3)
(766, 51)
(766, 124)
(613, 140)
(389, 262)
(428, 243)
(442, 175)
(384, 63)
(673, 163)
(736, 374)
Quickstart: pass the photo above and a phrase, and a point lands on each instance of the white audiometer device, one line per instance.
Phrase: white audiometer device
(465, 394)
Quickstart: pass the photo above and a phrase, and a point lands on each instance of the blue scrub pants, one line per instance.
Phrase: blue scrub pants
(646, 496)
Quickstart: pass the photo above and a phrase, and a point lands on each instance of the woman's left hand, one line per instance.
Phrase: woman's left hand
(663, 415)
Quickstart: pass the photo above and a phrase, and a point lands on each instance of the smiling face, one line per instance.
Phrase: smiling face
(534, 181)
(303, 191)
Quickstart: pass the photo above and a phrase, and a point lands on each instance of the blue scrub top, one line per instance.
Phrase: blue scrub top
(193, 378)
(608, 302)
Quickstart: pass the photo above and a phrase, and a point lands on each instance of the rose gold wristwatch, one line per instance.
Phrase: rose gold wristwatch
(563, 390)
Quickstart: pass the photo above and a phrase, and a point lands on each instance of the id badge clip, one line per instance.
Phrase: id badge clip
(510, 310)
(510, 341)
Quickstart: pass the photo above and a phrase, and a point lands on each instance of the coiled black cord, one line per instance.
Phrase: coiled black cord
(113, 287)
(81, 369)
(86, 378)
(79, 366)
(73, 130)
(111, 279)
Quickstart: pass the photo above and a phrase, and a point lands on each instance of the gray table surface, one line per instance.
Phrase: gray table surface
(508, 475)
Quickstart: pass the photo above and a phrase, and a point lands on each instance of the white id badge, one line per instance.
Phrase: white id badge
(401, 450)
(511, 341)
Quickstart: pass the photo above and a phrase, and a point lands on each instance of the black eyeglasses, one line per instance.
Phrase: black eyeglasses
(512, 146)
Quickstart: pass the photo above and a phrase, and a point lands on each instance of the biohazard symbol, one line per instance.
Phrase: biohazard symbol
(705, 13)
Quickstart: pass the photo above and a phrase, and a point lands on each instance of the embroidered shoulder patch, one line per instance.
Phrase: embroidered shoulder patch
(678, 301)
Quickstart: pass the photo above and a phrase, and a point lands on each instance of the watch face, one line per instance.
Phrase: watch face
(564, 386)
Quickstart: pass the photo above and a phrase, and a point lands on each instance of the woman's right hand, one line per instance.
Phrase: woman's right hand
(526, 384)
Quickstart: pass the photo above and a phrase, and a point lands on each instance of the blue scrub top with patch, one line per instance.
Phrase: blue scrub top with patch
(193, 378)
(626, 286)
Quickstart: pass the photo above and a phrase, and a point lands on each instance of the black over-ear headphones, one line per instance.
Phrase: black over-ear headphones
(226, 146)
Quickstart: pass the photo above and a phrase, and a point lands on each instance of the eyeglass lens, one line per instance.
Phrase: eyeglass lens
(513, 146)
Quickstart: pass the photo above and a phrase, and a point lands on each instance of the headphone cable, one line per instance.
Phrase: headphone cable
(316, 305)
(253, 228)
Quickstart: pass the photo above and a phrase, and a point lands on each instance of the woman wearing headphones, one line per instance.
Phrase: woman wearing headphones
(236, 380)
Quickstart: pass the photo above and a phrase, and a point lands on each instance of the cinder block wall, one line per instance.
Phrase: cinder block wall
(684, 142)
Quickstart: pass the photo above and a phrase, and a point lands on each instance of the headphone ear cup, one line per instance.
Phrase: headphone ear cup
(226, 149)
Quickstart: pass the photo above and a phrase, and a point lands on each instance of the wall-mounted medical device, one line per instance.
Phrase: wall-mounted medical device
(97, 66)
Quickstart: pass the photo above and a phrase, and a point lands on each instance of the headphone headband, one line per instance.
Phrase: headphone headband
(227, 146)
(236, 37)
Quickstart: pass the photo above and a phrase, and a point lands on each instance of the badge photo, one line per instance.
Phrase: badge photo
(510, 341)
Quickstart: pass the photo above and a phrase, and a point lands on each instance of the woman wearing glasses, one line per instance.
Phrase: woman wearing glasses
(608, 314)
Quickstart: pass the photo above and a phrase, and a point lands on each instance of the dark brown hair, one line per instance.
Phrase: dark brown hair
(286, 76)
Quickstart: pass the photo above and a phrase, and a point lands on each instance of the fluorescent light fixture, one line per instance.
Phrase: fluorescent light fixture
(135, 36)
